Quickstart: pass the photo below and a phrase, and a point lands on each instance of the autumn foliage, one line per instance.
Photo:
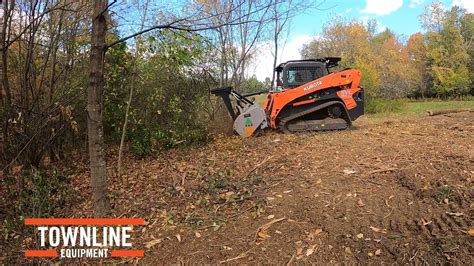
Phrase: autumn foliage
(437, 63)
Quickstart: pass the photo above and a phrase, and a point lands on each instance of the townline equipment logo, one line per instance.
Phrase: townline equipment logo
(84, 238)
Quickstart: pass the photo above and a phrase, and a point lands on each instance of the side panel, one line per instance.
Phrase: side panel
(292, 110)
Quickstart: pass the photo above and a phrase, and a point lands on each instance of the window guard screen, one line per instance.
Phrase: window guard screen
(303, 74)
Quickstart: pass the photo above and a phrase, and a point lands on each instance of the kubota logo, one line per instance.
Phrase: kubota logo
(84, 238)
(314, 85)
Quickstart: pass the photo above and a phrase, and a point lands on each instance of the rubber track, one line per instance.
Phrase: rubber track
(283, 123)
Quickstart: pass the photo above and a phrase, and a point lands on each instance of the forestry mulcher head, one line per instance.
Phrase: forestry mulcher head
(308, 97)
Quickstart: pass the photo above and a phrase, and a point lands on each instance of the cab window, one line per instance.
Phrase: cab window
(303, 74)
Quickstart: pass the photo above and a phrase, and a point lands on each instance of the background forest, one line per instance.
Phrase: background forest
(161, 64)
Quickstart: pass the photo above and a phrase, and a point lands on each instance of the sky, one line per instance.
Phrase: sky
(401, 16)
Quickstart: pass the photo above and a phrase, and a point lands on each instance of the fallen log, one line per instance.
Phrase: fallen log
(447, 111)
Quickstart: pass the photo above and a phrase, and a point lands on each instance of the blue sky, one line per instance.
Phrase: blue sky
(398, 15)
(401, 16)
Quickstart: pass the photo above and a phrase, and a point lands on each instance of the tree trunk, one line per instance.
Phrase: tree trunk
(275, 58)
(95, 130)
(125, 122)
(5, 94)
(4, 52)
(130, 98)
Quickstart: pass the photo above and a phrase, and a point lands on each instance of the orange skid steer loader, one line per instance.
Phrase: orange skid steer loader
(308, 97)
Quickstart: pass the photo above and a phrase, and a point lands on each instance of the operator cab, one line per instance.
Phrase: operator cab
(295, 73)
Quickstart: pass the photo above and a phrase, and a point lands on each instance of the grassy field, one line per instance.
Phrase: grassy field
(410, 107)
(420, 108)
(423, 107)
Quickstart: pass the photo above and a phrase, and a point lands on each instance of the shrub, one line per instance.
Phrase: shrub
(181, 136)
(41, 194)
(140, 139)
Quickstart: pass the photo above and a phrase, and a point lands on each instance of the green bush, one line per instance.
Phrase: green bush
(140, 138)
(172, 86)
(181, 136)
(41, 194)
(374, 106)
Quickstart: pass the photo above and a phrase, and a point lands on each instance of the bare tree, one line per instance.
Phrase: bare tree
(132, 84)
(5, 94)
(237, 29)
(280, 19)
(282, 13)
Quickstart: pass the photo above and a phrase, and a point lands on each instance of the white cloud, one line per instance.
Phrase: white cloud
(415, 3)
(382, 7)
(349, 10)
(263, 63)
(467, 4)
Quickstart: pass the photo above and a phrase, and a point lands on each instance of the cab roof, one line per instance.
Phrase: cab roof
(328, 61)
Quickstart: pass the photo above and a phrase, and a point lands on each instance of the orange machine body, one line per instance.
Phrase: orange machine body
(348, 82)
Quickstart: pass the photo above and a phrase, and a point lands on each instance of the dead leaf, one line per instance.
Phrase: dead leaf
(349, 171)
(378, 230)
(227, 195)
(360, 203)
(360, 236)
(319, 181)
(348, 250)
(152, 243)
(370, 254)
(310, 250)
(471, 232)
(316, 232)
(299, 250)
(378, 252)
(271, 216)
(197, 234)
(178, 237)
(262, 235)
(287, 191)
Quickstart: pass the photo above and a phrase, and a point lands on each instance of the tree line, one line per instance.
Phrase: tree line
(436, 63)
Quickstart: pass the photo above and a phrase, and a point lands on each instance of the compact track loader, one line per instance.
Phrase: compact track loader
(308, 97)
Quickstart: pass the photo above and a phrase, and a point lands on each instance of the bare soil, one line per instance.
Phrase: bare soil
(396, 190)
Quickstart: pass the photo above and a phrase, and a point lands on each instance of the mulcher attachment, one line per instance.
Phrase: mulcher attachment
(248, 116)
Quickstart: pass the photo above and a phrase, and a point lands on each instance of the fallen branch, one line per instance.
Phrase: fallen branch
(241, 256)
(266, 226)
(447, 111)
(258, 166)
(291, 259)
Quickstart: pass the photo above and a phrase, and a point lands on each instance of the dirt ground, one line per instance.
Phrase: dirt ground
(388, 190)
